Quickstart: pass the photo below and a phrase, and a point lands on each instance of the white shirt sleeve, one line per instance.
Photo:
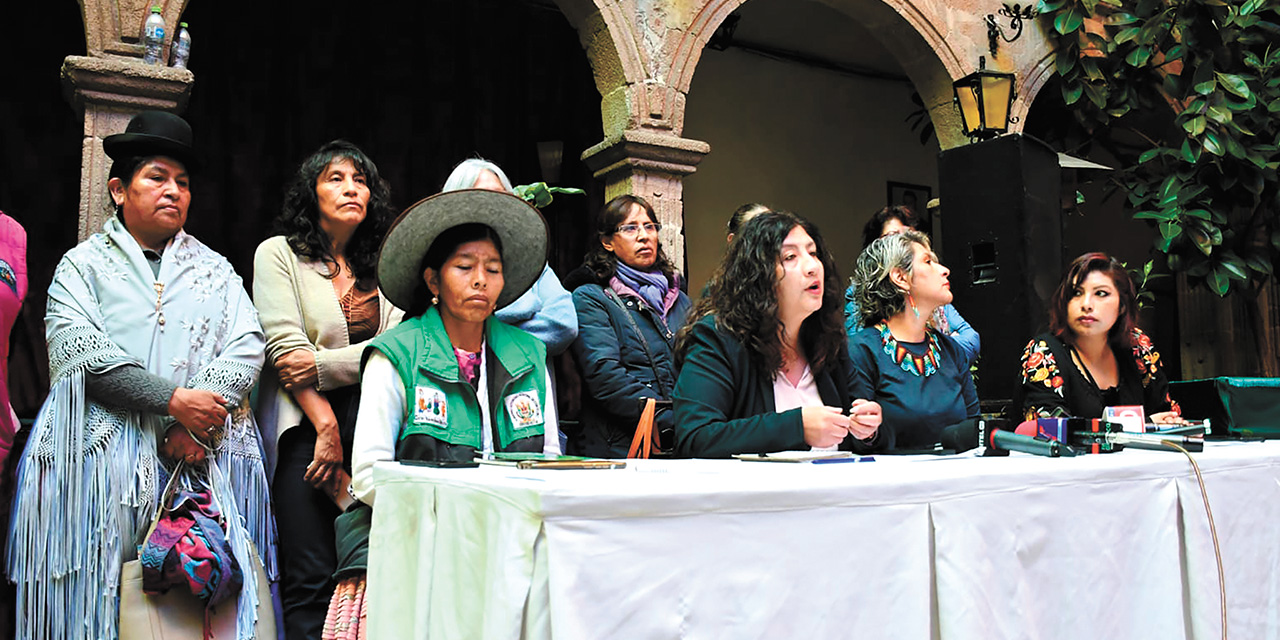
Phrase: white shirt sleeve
(550, 420)
(382, 414)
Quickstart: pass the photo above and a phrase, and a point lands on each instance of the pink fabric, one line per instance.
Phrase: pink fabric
(13, 288)
(803, 394)
(469, 363)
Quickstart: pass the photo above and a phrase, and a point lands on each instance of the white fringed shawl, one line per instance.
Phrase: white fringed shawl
(89, 479)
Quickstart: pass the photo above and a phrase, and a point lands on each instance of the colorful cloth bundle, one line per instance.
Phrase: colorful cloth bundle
(189, 549)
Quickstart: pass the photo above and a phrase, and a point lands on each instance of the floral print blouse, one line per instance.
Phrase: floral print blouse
(1053, 385)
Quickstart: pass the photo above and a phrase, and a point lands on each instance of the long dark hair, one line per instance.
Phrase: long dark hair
(744, 299)
(299, 219)
(744, 213)
(602, 262)
(441, 248)
(1120, 336)
(875, 226)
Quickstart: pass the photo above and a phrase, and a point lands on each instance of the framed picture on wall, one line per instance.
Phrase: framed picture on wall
(913, 196)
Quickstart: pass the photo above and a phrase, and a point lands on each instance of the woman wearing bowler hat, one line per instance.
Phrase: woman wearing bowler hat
(153, 349)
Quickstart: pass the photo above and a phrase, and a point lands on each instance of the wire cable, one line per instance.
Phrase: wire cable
(1213, 531)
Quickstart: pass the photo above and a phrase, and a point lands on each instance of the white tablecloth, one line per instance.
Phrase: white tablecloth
(1104, 546)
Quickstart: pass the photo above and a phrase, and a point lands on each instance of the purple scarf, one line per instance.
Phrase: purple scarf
(651, 285)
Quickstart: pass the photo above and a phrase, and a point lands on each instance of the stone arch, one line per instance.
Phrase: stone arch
(621, 63)
(1029, 86)
(644, 57)
(937, 45)
(112, 27)
(110, 84)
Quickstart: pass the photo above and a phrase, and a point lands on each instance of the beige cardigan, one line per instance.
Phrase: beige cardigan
(299, 309)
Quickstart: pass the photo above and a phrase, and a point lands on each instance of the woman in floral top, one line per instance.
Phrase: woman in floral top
(1094, 355)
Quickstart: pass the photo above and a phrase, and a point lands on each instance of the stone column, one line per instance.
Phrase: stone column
(652, 165)
(107, 92)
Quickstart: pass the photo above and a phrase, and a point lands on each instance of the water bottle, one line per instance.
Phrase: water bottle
(153, 37)
(180, 50)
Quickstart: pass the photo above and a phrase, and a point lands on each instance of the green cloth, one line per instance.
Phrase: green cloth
(440, 404)
(351, 533)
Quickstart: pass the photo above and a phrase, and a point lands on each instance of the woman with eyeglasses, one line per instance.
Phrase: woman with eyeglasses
(630, 304)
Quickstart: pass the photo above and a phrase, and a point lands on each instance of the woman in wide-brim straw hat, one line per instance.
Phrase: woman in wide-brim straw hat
(452, 380)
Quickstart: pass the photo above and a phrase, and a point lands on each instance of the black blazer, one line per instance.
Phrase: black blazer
(723, 407)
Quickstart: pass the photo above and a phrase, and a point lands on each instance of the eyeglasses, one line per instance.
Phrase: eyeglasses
(630, 230)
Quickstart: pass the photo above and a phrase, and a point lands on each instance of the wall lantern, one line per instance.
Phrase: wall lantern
(985, 99)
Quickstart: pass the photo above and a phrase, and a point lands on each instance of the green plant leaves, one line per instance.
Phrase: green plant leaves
(1218, 283)
(1235, 84)
(1210, 187)
(540, 195)
(1213, 144)
(1138, 57)
(1194, 126)
(1189, 153)
(1068, 21)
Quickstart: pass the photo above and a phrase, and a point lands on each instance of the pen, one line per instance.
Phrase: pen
(849, 459)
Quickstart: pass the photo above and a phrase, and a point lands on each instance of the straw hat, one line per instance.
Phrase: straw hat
(520, 227)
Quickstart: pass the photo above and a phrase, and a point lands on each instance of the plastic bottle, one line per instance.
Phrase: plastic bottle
(153, 37)
(180, 50)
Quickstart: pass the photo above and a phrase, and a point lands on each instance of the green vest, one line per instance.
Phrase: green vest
(441, 405)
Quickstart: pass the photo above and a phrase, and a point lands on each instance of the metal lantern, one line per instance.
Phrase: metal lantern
(985, 99)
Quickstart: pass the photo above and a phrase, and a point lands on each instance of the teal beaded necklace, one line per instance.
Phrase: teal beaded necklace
(924, 365)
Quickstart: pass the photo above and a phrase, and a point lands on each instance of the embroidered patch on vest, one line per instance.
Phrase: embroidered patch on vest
(430, 407)
(8, 276)
(524, 409)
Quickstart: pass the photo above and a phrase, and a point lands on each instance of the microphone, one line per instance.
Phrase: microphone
(961, 436)
(969, 434)
(1144, 440)
(1026, 444)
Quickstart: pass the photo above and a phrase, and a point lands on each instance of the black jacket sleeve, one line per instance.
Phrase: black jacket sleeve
(714, 412)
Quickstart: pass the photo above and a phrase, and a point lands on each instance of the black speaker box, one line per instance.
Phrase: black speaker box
(1002, 238)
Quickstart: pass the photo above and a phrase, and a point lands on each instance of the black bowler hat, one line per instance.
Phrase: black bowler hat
(154, 133)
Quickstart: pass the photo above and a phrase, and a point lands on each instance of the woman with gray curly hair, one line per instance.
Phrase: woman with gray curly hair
(919, 376)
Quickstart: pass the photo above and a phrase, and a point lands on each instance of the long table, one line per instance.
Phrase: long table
(1100, 546)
